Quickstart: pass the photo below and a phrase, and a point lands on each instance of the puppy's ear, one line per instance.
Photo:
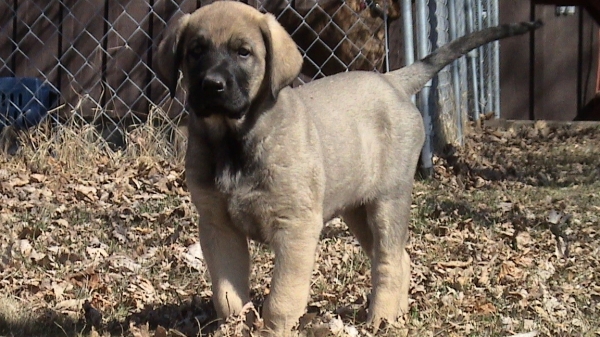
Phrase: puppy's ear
(170, 55)
(283, 61)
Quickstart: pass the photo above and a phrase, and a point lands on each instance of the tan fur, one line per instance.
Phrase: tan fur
(169, 65)
(299, 157)
(285, 63)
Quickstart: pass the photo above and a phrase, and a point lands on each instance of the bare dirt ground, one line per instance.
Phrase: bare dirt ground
(505, 240)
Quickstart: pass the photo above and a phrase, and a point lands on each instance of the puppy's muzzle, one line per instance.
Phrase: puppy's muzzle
(214, 84)
(219, 92)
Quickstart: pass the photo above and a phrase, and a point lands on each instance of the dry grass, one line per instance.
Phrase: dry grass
(117, 229)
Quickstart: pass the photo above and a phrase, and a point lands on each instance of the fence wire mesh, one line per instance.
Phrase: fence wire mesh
(100, 55)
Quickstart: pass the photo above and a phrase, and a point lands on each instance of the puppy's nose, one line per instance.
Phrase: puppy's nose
(213, 84)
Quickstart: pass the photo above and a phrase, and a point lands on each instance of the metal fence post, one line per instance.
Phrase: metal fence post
(489, 72)
(386, 40)
(496, 61)
(455, 73)
(462, 62)
(479, 24)
(424, 95)
(409, 46)
(473, 62)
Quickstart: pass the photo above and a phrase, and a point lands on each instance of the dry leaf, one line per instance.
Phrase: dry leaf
(160, 332)
(94, 333)
(69, 305)
(25, 247)
(143, 331)
(456, 264)
(37, 178)
(61, 222)
(88, 192)
(486, 309)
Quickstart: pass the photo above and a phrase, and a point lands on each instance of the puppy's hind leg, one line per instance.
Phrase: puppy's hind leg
(356, 220)
(388, 219)
(226, 254)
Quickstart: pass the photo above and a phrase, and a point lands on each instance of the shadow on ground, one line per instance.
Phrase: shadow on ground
(194, 318)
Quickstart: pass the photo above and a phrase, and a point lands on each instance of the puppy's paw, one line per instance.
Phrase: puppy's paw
(388, 316)
(380, 323)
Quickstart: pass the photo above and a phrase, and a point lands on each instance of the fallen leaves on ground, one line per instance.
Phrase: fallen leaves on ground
(504, 240)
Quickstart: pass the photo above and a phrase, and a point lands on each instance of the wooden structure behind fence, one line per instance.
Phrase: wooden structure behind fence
(552, 73)
(97, 53)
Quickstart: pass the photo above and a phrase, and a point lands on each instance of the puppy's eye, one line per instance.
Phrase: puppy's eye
(196, 51)
(243, 52)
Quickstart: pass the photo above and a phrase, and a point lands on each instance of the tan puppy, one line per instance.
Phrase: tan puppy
(271, 163)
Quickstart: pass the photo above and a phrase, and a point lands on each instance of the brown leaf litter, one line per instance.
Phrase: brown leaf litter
(504, 241)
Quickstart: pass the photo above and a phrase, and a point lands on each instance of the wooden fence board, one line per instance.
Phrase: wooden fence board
(127, 47)
(555, 70)
(515, 79)
(108, 54)
(7, 18)
(589, 53)
(81, 78)
(396, 44)
(166, 11)
(37, 34)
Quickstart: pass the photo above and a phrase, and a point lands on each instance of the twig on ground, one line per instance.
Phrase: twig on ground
(526, 334)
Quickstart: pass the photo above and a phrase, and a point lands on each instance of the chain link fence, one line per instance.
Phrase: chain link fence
(99, 55)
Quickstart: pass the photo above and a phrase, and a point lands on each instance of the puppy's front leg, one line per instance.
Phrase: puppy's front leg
(226, 254)
(294, 246)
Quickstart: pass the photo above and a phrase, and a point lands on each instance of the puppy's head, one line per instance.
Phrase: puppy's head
(231, 56)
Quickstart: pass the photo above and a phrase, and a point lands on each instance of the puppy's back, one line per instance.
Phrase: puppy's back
(369, 131)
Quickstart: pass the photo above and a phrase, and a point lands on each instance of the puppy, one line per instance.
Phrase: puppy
(271, 163)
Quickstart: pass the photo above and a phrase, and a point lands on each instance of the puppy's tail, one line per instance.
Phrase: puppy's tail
(416, 75)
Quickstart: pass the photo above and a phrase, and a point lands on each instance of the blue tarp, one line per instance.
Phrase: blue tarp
(24, 102)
